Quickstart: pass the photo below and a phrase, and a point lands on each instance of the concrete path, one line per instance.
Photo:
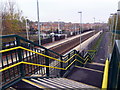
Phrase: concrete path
(102, 53)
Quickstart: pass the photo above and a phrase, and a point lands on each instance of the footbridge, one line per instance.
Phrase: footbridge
(27, 65)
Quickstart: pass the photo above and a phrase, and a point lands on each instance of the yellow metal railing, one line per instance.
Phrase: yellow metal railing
(37, 65)
(22, 62)
(19, 47)
(105, 76)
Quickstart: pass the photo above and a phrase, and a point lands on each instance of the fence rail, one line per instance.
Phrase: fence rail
(23, 58)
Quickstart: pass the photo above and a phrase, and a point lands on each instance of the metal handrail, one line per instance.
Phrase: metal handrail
(105, 76)
(22, 62)
(19, 47)
(9, 36)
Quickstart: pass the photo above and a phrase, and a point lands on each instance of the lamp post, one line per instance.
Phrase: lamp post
(113, 20)
(80, 27)
(116, 23)
(58, 25)
(113, 16)
(38, 23)
(75, 28)
(27, 30)
(94, 25)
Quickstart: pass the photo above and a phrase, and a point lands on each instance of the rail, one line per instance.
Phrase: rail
(105, 76)
(16, 63)
(17, 42)
(23, 58)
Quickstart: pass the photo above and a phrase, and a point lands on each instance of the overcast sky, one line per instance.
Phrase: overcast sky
(67, 10)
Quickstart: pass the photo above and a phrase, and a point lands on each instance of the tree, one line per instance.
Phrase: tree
(12, 20)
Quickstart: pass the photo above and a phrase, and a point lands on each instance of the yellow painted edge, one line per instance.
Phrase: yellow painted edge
(37, 65)
(79, 61)
(81, 57)
(10, 67)
(97, 64)
(42, 55)
(6, 50)
(42, 65)
(70, 58)
(90, 69)
(70, 65)
(29, 64)
(19, 47)
(92, 50)
(105, 76)
(37, 85)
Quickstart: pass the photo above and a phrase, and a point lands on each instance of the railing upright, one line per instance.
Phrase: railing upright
(61, 66)
(20, 57)
(47, 63)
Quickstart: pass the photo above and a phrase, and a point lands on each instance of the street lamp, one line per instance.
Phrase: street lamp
(38, 23)
(27, 30)
(94, 25)
(116, 23)
(112, 21)
(113, 16)
(80, 27)
(59, 26)
(75, 28)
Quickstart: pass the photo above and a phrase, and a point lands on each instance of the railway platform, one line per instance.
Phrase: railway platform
(53, 44)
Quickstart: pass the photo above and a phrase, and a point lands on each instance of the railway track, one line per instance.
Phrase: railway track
(65, 47)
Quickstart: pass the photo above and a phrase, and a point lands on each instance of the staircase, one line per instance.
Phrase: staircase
(26, 67)
(50, 83)
(90, 74)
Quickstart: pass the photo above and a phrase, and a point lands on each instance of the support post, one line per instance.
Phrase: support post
(20, 57)
(61, 66)
(47, 63)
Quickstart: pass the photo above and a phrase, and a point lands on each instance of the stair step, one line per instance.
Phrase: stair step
(90, 69)
(52, 83)
(98, 63)
(42, 83)
(95, 66)
(87, 76)
(61, 82)
(25, 85)
(67, 83)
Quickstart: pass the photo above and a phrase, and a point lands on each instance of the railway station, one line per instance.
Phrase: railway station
(87, 59)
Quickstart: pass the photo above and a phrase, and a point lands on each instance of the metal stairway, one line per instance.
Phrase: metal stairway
(90, 74)
(49, 83)
(21, 60)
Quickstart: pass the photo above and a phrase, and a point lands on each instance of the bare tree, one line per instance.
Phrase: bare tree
(12, 20)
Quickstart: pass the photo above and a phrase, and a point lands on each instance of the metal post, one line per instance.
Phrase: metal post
(27, 30)
(112, 26)
(47, 63)
(116, 24)
(94, 25)
(58, 26)
(19, 51)
(75, 28)
(38, 23)
(61, 66)
(80, 27)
